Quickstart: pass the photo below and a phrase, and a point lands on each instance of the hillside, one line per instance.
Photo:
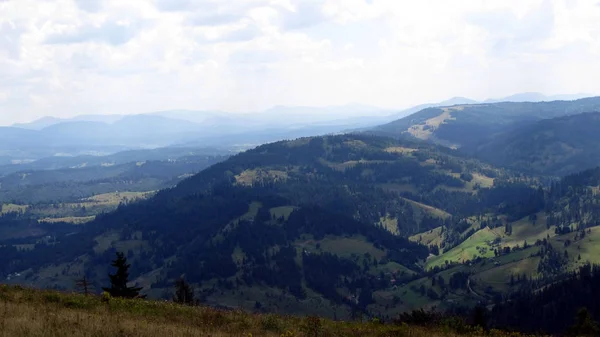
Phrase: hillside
(263, 225)
(69, 184)
(467, 126)
(326, 225)
(557, 146)
(119, 158)
(33, 313)
(500, 255)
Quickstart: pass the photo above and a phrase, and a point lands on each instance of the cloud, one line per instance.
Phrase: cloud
(258, 57)
(10, 36)
(175, 5)
(304, 14)
(213, 19)
(509, 34)
(68, 57)
(239, 35)
(111, 32)
(89, 5)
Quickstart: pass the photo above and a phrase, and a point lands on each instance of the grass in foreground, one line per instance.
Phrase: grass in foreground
(27, 312)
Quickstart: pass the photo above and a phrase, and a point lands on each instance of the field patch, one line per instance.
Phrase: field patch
(425, 130)
(351, 163)
(72, 219)
(482, 180)
(282, 211)
(13, 208)
(432, 211)
(390, 224)
(249, 177)
(499, 277)
(476, 245)
(400, 150)
(431, 237)
(525, 230)
(344, 247)
(116, 198)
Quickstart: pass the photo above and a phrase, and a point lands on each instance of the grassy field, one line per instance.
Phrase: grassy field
(430, 210)
(431, 237)
(390, 224)
(117, 197)
(587, 248)
(76, 220)
(249, 177)
(80, 211)
(476, 245)
(344, 247)
(13, 208)
(32, 313)
(282, 211)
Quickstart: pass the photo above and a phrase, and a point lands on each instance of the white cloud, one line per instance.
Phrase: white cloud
(70, 57)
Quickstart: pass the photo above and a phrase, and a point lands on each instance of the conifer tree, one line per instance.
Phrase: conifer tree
(184, 293)
(584, 324)
(119, 280)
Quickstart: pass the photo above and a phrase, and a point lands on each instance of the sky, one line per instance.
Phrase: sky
(70, 57)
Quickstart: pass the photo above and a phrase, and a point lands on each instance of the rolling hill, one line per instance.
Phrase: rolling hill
(557, 146)
(68, 184)
(262, 226)
(326, 225)
(467, 126)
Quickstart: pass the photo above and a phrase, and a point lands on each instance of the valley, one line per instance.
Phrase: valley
(298, 168)
(335, 225)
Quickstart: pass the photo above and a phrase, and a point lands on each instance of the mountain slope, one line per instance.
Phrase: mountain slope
(160, 154)
(466, 126)
(536, 97)
(557, 146)
(265, 225)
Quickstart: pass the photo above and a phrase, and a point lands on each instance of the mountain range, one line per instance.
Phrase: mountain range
(456, 205)
(104, 134)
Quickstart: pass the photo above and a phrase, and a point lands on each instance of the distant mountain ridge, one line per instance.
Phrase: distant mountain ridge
(105, 134)
(468, 126)
(556, 146)
(537, 97)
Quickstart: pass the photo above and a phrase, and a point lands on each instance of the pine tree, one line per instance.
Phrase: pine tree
(84, 284)
(584, 324)
(119, 280)
(184, 293)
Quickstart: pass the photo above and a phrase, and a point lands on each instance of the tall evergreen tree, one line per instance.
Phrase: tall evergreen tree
(184, 293)
(119, 280)
(584, 324)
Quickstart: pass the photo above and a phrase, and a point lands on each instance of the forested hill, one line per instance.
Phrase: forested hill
(555, 146)
(467, 126)
(552, 309)
(285, 224)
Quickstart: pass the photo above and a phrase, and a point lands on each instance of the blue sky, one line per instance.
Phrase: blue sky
(68, 57)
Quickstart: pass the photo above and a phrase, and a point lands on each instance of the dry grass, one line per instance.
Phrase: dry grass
(425, 130)
(10, 208)
(116, 198)
(351, 163)
(76, 220)
(432, 211)
(249, 177)
(26, 312)
(400, 150)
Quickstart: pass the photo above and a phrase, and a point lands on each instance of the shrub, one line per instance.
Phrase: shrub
(270, 323)
(313, 327)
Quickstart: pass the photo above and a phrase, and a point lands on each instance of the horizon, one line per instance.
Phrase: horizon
(378, 110)
(111, 57)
